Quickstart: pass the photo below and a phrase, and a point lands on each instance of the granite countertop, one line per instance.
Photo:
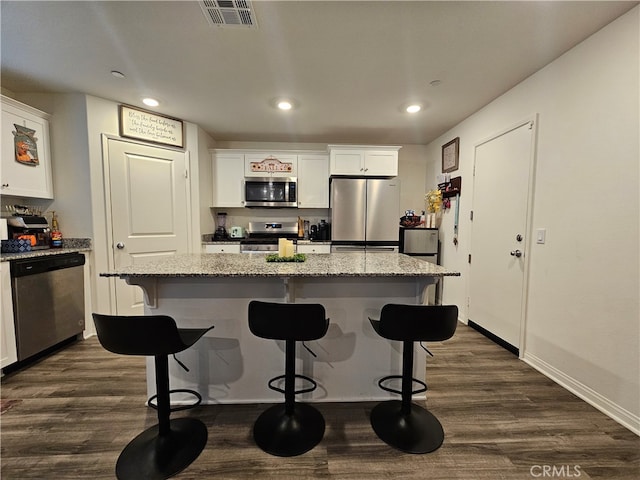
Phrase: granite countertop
(235, 241)
(69, 245)
(357, 264)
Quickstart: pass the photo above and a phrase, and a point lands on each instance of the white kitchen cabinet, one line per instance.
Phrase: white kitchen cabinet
(286, 161)
(313, 181)
(313, 248)
(8, 350)
(228, 179)
(222, 248)
(363, 160)
(25, 179)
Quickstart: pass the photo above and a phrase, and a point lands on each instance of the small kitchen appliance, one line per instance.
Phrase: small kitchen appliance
(270, 192)
(221, 231)
(236, 232)
(32, 228)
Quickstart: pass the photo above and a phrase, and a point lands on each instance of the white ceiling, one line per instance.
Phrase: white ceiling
(351, 66)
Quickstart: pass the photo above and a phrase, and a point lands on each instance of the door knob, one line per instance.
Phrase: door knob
(120, 245)
(516, 253)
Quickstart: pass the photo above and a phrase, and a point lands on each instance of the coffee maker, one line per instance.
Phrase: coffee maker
(221, 231)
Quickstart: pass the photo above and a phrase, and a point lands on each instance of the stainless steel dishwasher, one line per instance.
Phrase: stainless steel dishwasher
(48, 301)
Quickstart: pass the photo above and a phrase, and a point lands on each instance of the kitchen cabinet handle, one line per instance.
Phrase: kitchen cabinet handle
(5, 185)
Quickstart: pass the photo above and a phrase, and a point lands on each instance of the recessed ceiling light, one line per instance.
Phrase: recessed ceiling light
(415, 108)
(150, 102)
(284, 103)
(117, 74)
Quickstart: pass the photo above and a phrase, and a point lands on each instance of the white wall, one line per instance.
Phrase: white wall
(582, 320)
(205, 182)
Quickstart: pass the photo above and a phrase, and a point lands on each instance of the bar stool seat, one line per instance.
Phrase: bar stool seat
(291, 428)
(169, 447)
(401, 423)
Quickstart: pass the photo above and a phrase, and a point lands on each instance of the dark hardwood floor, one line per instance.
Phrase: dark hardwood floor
(69, 415)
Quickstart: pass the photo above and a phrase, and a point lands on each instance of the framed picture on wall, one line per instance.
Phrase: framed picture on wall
(450, 154)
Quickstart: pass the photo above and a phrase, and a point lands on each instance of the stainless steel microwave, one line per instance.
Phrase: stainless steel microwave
(270, 192)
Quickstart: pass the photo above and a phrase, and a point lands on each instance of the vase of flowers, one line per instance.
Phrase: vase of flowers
(433, 204)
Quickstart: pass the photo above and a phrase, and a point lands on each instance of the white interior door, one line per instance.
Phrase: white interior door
(149, 214)
(499, 233)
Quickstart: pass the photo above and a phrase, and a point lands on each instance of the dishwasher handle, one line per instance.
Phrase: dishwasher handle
(49, 263)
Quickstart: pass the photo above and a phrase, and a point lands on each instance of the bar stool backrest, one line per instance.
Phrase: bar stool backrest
(287, 321)
(424, 323)
(139, 335)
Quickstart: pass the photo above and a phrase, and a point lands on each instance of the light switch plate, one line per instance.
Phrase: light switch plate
(541, 235)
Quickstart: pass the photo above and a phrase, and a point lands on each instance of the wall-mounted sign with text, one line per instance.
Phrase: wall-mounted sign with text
(150, 127)
(270, 165)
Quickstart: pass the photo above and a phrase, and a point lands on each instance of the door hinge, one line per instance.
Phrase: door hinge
(471, 215)
(186, 174)
(469, 258)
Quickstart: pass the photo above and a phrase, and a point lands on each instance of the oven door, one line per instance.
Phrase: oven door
(270, 192)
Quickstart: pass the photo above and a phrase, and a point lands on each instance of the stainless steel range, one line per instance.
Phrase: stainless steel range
(263, 236)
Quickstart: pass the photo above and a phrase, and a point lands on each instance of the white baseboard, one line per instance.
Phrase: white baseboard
(606, 406)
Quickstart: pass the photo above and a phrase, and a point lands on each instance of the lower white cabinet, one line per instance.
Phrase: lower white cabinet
(8, 350)
(223, 248)
(313, 248)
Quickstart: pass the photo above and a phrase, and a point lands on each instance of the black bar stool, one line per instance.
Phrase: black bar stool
(291, 428)
(402, 424)
(169, 447)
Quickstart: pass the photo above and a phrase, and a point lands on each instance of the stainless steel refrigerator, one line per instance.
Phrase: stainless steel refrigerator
(364, 214)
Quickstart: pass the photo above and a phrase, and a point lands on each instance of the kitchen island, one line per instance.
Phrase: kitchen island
(230, 365)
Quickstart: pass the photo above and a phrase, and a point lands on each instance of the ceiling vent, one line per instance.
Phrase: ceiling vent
(229, 13)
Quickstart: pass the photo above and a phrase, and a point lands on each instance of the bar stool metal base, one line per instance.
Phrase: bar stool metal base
(289, 434)
(416, 432)
(154, 457)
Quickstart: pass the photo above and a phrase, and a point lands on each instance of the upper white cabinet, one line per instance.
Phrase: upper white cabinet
(26, 160)
(276, 164)
(363, 160)
(228, 179)
(313, 181)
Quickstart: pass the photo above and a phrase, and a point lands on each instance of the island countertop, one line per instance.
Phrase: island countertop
(360, 264)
